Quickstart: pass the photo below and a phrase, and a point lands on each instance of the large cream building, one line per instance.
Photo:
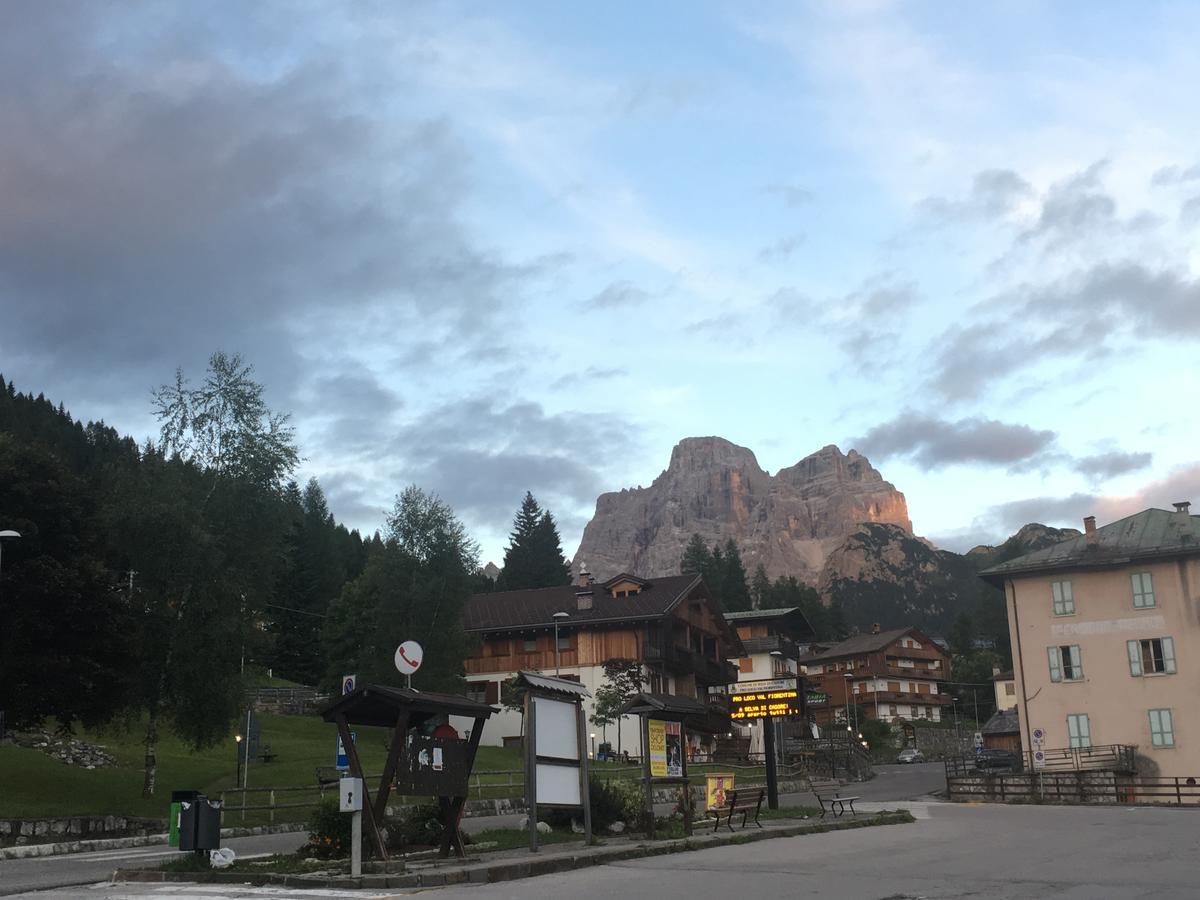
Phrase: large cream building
(1105, 632)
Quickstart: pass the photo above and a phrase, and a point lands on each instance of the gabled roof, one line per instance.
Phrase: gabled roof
(379, 704)
(551, 685)
(865, 643)
(535, 607)
(792, 619)
(1152, 533)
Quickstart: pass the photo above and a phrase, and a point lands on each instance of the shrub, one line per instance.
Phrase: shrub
(328, 832)
(418, 827)
(613, 800)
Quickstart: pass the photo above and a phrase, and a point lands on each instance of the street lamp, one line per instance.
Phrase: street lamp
(8, 533)
(850, 677)
(957, 735)
(557, 616)
(593, 745)
(238, 743)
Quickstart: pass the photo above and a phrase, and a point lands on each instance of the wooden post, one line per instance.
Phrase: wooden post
(357, 770)
(399, 736)
(646, 775)
(531, 771)
(585, 795)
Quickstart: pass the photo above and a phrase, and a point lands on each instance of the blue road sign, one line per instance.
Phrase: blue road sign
(343, 762)
(349, 683)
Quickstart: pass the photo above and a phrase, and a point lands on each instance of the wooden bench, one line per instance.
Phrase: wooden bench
(739, 802)
(828, 794)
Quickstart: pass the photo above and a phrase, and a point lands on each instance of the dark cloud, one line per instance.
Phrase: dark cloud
(1173, 175)
(994, 193)
(932, 443)
(793, 195)
(481, 455)
(618, 294)
(1112, 464)
(162, 200)
(781, 249)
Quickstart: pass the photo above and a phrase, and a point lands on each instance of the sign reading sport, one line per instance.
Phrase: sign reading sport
(775, 698)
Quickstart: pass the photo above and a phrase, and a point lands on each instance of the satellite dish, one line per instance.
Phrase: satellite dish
(408, 657)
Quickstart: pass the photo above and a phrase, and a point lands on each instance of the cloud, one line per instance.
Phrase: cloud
(618, 294)
(1112, 464)
(1074, 207)
(1189, 212)
(793, 195)
(932, 443)
(1172, 175)
(994, 194)
(781, 249)
(591, 373)
(165, 196)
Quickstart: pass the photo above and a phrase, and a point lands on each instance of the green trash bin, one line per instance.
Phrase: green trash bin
(178, 798)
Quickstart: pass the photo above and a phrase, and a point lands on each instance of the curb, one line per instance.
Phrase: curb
(508, 870)
(26, 851)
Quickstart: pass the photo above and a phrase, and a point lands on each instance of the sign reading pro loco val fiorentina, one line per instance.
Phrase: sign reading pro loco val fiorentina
(775, 698)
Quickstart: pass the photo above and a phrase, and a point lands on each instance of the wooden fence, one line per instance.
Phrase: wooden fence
(1085, 787)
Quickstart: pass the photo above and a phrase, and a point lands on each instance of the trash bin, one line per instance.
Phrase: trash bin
(178, 798)
(717, 785)
(200, 824)
(605, 751)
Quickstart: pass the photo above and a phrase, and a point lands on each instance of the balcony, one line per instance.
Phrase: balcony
(771, 644)
(675, 658)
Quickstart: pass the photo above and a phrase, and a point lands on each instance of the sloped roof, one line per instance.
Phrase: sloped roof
(864, 643)
(1148, 534)
(760, 614)
(535, 607)
(1004, 721)
(552, 685)
(378, 704)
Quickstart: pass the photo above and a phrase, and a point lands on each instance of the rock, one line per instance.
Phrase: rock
(576, 828)
(543, 828)
(789, 522)
(617, 827)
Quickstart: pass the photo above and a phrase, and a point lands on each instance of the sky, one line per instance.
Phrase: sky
(491, 248)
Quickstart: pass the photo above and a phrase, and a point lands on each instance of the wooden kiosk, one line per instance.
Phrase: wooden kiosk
(416, 764)
(665, 719)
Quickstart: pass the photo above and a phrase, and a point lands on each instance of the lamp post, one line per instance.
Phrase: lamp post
(593, 735)
(957, 735)
(850, 678)
(238, 743)
(557, 616)
(7, 533)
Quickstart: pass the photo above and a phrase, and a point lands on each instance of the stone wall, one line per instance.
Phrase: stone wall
(75, 828)
(1027, 787)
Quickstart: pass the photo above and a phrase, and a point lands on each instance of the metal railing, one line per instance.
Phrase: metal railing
(1104, 758)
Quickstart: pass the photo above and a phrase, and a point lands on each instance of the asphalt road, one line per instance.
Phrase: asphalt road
(985, 852)
(41, 873)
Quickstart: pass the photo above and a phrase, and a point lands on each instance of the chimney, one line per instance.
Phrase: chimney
(585, 577)
(875, 628)
(1182, 507)
(583, 600)
(1089, 530)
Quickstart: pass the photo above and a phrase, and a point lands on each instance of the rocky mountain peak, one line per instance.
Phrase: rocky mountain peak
(789, 522)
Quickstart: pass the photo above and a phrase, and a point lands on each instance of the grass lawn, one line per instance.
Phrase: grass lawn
(34, 784)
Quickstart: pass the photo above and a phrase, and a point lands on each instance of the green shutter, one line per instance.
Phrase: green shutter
(1168, 650)
(1055, 664)
(1135, 657)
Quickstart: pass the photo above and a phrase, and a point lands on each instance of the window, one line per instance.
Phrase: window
(746, 664)
(1010, 689)
(1064, 599)
(1162, 728)
(477, 691)
(530, 645)
(1143, 590)
(1079, 730)
(1065, 663)
(1151, 657)
(564, 642)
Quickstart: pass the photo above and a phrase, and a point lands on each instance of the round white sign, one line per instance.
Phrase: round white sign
(408, 657)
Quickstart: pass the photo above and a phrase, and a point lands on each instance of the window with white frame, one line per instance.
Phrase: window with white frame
(1143, 590)
(1079, 730)
(1064, 598)
(529, 645)
(1065, 663)
(1155, 656)
(1162, 728)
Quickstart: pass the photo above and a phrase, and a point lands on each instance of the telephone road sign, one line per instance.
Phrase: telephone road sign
(408, 657)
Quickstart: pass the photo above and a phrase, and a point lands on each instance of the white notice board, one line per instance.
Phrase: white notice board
(558, 784)
(557, 732)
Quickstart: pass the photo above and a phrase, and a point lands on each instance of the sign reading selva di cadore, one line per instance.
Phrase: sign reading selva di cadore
(774, 698)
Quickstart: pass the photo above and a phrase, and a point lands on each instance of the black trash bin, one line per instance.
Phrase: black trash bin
(200, 824)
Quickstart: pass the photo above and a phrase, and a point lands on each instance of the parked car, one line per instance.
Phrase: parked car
(995, 758)
(910, 755)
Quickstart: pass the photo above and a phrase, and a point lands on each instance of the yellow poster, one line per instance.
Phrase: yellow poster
(658, 749)
(719, 784)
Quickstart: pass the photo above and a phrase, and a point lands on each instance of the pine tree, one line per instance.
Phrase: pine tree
(735, 595)
(534, 557)
(760, 588)
(696, 558)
